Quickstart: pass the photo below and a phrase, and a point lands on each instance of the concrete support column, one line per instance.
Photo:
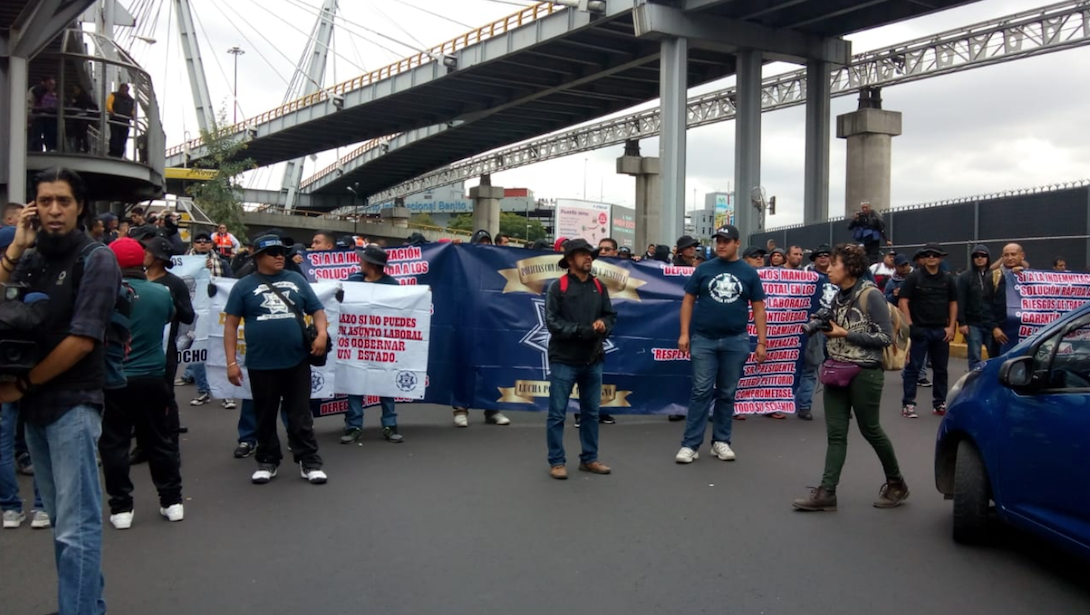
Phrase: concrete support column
(649, 227)
(398, 215)
(673, 90)
(747, 143)
(486, 206)
(14, 134)
(869, 132)
(818, 126)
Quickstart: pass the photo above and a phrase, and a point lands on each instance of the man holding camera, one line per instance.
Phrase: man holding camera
(62, 396)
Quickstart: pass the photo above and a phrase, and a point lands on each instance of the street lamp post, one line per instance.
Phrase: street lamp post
(236, 51)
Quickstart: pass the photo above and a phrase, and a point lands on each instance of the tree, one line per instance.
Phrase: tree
(514, 225)
(221, 197)
(423, 219)
(461, 222)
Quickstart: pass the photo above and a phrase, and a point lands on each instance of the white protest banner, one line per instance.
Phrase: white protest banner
(322, 378)
(382, 340)
(193, 270)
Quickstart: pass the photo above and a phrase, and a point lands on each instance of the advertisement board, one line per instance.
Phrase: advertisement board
(586, 219)
(624, 226)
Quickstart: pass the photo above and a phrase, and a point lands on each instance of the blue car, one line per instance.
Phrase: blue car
(1017, 433)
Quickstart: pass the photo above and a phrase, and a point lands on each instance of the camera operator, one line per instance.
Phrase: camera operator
(62, 395)
(858, 329)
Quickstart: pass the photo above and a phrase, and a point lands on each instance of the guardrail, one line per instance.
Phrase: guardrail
(473, 37)
(349, 157)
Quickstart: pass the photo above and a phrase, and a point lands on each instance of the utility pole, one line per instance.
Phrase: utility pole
(236, 51)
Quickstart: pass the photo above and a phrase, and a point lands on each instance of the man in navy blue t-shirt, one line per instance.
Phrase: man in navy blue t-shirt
(715, 310)
(276, 356)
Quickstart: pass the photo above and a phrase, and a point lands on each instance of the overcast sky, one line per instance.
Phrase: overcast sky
(1015, 125)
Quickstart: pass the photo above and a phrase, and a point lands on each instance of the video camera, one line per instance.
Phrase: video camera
(22, 313)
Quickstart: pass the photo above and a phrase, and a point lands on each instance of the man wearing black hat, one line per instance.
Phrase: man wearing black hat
(715, 310)
(276, 356)
(754, 256)
(929, 302)
(686, 252)
(580, 317)
(157, 260)
(820, 259)
(373, 270)
(624, 253)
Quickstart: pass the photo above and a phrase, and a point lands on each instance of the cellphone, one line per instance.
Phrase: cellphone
(36, 223)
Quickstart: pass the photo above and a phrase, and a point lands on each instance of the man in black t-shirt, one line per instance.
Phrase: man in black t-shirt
(929, 301)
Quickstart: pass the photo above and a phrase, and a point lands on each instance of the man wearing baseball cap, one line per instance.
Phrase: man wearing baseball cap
(142, 404)
(276, 356)
(580, 317)
(715, 311)
(929, 302)
(372, 270)
(754, 256)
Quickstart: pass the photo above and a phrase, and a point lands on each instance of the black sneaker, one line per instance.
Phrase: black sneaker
(676, 417)
(314, 476)
(940, 410)
(607, 419)
(26, 466)
(390, 435)
(244, 450)
(577, 417)
(805, 414)
(923, 382)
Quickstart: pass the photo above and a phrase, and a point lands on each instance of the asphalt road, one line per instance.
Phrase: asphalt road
(467, 521)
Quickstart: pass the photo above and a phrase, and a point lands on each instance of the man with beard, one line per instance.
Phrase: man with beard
(62, 396)
(794, 257)
(579, 316)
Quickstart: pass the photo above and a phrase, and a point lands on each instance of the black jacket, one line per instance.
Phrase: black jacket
(975, 295)
(570, 316)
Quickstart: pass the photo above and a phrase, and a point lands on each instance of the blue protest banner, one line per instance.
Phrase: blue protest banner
(489, 342)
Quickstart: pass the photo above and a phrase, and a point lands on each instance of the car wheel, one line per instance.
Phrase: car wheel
(972, 496)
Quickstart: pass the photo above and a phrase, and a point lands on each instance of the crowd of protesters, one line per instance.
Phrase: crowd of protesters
(107, 375)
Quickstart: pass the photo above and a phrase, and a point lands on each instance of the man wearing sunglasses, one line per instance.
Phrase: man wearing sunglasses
(975, 306)
(928, 301)
(276, 357)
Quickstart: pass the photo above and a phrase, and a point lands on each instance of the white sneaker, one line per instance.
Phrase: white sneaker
(13, 519)
(461, 419)
(722, 451)
(201, 400)
(265, 473)
(229, 404)
(181, 382)
(39, 520)
(122, 521)
(314, 476)
(497, 419)
(686, 455)
(174, 512)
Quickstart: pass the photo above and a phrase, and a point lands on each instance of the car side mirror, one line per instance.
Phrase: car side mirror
(1016, 373)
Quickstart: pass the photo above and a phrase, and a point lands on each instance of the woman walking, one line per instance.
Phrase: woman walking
(853, 376)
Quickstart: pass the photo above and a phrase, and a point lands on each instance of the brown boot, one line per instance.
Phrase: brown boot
(559, 472)
(892, 494)
(595, 467)
(818, 500)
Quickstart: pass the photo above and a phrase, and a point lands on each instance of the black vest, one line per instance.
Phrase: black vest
(59, 279)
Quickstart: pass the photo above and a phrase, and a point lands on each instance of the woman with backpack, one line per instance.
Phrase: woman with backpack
(859, 331)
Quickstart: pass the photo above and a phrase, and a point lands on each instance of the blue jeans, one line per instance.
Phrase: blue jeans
(354, 417)
(247, 421)
(807, 383)
(978, 338)
(199, 375)
(9, 486)
(562, 379)
(67, 473)
(927, 341)
(717, 367)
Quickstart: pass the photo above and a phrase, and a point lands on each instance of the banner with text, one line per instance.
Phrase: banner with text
(1037, 298)
(489, 342)
(193, 270)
